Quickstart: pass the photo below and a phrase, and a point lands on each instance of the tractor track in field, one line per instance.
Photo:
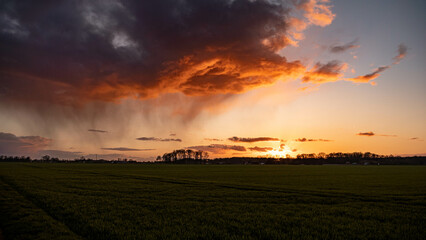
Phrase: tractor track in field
(36, 203)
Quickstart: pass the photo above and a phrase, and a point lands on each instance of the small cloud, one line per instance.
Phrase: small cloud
(370, 76)
(343, 48)
(416, 139)
(294, 150)
(159, 139)
(59, 154)
(312, 140)
(213, 139)
(97, 130)
(251, 140)
(260, 149)
(317, 12)
(172, 134)
(368, 134)
(402, 53)
(328, 72)
(219, 148)
(124, 149)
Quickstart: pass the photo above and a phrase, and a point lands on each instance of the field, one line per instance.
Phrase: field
(133, 201)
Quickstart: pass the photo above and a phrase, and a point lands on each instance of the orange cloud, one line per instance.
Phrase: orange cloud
(368, 77)
(318, 12)
(329, 72)
(229, 75)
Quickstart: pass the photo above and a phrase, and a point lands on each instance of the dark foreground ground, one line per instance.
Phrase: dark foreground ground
(107, 201)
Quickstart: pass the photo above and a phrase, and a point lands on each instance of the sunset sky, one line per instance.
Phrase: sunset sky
(136, 79)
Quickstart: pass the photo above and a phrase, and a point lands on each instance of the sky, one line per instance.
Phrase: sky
(136, 79)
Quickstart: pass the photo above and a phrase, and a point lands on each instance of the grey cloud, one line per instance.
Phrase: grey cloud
(97, 130)
(219, 148)
(344, 47)
(11, 144)
(59, 154)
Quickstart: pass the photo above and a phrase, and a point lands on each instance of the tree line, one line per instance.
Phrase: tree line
(48, 159)
(366, 158)
(188, 156)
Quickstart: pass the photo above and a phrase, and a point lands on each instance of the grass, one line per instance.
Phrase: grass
(106, 201)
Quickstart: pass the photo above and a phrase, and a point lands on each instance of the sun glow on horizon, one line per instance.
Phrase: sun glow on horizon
(278, 153)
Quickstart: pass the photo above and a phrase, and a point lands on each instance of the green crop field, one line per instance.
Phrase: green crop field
(135, 201)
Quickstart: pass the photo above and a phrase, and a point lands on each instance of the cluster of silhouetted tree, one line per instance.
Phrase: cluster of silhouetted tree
(184, 156)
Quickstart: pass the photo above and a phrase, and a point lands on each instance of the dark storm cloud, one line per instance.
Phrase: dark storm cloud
(124, 149)
(251, 140)
(312, 140)
(159, 139)
(97, 130)
(72, 52)
(11, 144)
(343, 48)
